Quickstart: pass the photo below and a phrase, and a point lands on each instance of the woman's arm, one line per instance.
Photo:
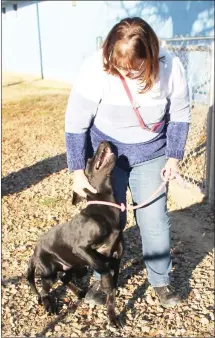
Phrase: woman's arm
(179, 111)
(82, 106)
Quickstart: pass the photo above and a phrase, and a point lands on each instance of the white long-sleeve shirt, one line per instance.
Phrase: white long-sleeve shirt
(99, 104)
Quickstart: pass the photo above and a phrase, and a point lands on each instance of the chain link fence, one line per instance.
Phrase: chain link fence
(197, 57)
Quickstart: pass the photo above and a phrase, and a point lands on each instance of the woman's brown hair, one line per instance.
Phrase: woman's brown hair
(129, 40)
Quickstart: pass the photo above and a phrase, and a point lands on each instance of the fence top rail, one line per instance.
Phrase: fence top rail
(187, 48)
(210, 38)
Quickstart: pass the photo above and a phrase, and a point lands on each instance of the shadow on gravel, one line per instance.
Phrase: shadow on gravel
(18, 181)
(13, 280)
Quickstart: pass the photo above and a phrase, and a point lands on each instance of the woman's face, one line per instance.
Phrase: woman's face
(127, 71)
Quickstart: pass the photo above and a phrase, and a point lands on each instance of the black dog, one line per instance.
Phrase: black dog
(93, 238)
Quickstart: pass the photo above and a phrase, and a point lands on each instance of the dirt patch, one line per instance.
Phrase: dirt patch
(36, 189)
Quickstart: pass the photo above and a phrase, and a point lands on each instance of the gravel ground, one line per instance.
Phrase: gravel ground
(36, 191)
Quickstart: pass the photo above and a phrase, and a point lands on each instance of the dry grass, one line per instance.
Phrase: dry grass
(32, 121)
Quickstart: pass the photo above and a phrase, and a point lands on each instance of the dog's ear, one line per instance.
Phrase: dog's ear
(88, 192)
(76, 198)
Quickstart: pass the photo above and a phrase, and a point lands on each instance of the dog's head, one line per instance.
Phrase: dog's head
(98, 169)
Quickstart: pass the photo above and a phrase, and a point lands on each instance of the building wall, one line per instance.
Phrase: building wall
(167, 18)
(20, 40)
(69, 33)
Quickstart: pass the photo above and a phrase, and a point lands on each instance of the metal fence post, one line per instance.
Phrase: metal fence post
(99, 42)
(210, 138)
(39, 40)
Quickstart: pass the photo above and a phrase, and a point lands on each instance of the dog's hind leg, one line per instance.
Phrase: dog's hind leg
(66, 280)
(48, 301)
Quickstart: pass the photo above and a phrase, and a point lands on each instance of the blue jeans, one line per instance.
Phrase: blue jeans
(152, 220)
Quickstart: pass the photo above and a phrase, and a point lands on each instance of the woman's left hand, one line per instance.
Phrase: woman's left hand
(171, 168)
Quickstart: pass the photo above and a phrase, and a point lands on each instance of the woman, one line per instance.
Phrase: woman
(133, 94)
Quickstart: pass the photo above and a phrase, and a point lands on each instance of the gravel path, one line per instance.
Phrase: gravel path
(36, 191)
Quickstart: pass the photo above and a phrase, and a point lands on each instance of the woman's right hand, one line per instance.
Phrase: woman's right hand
(80, 182)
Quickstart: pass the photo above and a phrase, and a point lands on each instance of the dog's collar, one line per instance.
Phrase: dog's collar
(121, 206)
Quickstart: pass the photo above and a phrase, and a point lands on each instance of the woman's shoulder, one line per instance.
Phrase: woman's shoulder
(169, 61)
(166, 57)
(88, 81)
(93, 62)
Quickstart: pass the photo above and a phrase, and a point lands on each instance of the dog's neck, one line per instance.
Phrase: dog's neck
(104, 192)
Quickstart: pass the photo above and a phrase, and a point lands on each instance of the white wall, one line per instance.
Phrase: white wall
(20, 40)
(68, 33)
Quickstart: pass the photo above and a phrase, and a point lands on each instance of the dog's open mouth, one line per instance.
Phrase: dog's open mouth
(104, 158)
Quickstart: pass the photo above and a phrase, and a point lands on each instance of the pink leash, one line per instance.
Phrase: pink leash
(122, 206)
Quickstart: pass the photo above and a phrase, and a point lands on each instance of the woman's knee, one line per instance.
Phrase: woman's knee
(153, 224)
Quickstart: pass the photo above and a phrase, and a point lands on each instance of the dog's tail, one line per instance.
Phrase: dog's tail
(31, 275)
